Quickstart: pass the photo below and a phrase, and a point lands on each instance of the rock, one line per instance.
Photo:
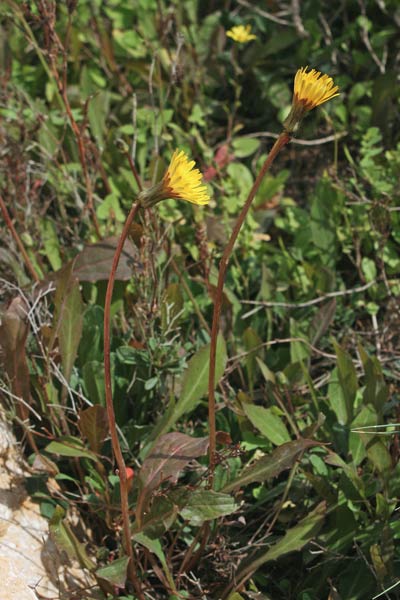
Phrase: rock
(30, 565)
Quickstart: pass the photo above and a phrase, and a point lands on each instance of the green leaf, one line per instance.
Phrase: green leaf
(171, 305)
(66, 540)
(253, 345)
(163, 511)
(243, 147)
(298, 350)
(347, 379)
(367, 416)
(294, 540)
(321, 320)
(323, 225)
(268, 423)
(271, 465)
(155, 547)
(51, 243)
(70, 446)
(376, 391)
(68, 319)
(97, 113)
(266, 372)
(93, 380)
(205, 505)
(195, 379)
(379, 455)
(336, 398)
(114, 574)
(194, 384)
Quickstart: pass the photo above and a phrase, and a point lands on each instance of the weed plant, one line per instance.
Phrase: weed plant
(298, 497)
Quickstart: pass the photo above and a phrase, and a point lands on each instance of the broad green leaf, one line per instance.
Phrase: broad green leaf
(294, 540)
(115, 573)
(69, 446)
(195, 379)
(243, 147)
(194, 384)
(271, 465)
(268, 423)
(205, 505)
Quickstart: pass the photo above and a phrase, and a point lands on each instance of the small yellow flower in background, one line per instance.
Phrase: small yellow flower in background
(181, 181)
(241, 34)
(310, 90)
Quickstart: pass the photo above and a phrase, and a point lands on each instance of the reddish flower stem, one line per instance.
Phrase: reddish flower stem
(110, 406)
(18, 241)
(283, 139)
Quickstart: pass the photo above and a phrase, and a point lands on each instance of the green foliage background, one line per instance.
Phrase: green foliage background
(310, 318)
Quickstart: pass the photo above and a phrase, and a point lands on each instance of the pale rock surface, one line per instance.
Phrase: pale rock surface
(31, 568)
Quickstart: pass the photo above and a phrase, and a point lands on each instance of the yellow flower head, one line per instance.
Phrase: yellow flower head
(180, 181)
(241, 34)
(310, 90)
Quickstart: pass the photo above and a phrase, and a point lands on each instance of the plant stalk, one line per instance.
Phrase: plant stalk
(283, 139)
(110, 406)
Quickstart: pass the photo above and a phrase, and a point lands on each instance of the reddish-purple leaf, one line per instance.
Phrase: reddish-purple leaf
(93, 424)
(14, 329)
(95, 260)
(169, 456)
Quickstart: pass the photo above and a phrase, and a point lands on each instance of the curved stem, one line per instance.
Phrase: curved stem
(110, 406)
(283, 139)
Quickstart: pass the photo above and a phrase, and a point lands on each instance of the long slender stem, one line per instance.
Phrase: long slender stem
(110, 406)
(283, 139)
